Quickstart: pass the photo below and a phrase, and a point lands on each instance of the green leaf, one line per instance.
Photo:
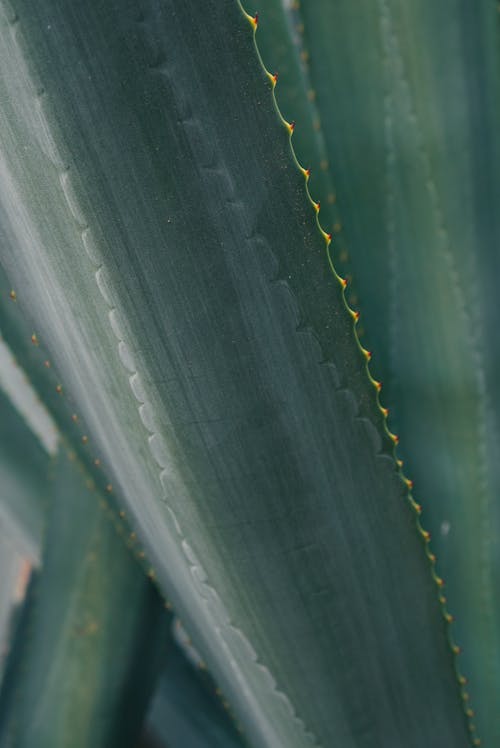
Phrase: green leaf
(24, 483)
(281, 45)
(23, 502)
(90, 647)
(186, 711)
(161, 240)
(24, 491)
(409, 98)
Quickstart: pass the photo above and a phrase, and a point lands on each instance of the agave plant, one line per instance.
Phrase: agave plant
(208, 535)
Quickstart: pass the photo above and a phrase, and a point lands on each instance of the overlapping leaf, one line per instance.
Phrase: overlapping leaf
(167, 254)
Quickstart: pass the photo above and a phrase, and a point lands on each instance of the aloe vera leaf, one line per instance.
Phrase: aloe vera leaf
(426, 266)
(96, 633)
(186, 711)
(258, 472)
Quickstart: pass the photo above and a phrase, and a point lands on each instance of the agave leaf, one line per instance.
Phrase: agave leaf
(16, 571)
(183, 698)
(282, 46)
(23, 483)
(167, 253)
(410, 105)
(186, 711)
(24, 491)
(89, 653)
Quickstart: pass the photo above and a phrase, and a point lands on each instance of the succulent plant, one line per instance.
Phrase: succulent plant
(208, 535)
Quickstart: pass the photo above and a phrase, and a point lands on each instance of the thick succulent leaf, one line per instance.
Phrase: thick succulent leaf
(409, 97)
(186, 706)
(186, 711)
(16, 571)
(282, 47)
(166, 250)
(23, 483)
(91, 645)
(23, 502)
(24, 491)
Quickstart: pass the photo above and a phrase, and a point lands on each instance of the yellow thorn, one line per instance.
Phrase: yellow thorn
(13, 295)
(254, 20)
(109, 488)
(85, 439)
(47, 364)
(34, 339)
(58, 389)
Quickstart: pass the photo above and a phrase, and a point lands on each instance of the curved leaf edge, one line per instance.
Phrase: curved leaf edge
(391, 439)
(448, 618)
(41, 374)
